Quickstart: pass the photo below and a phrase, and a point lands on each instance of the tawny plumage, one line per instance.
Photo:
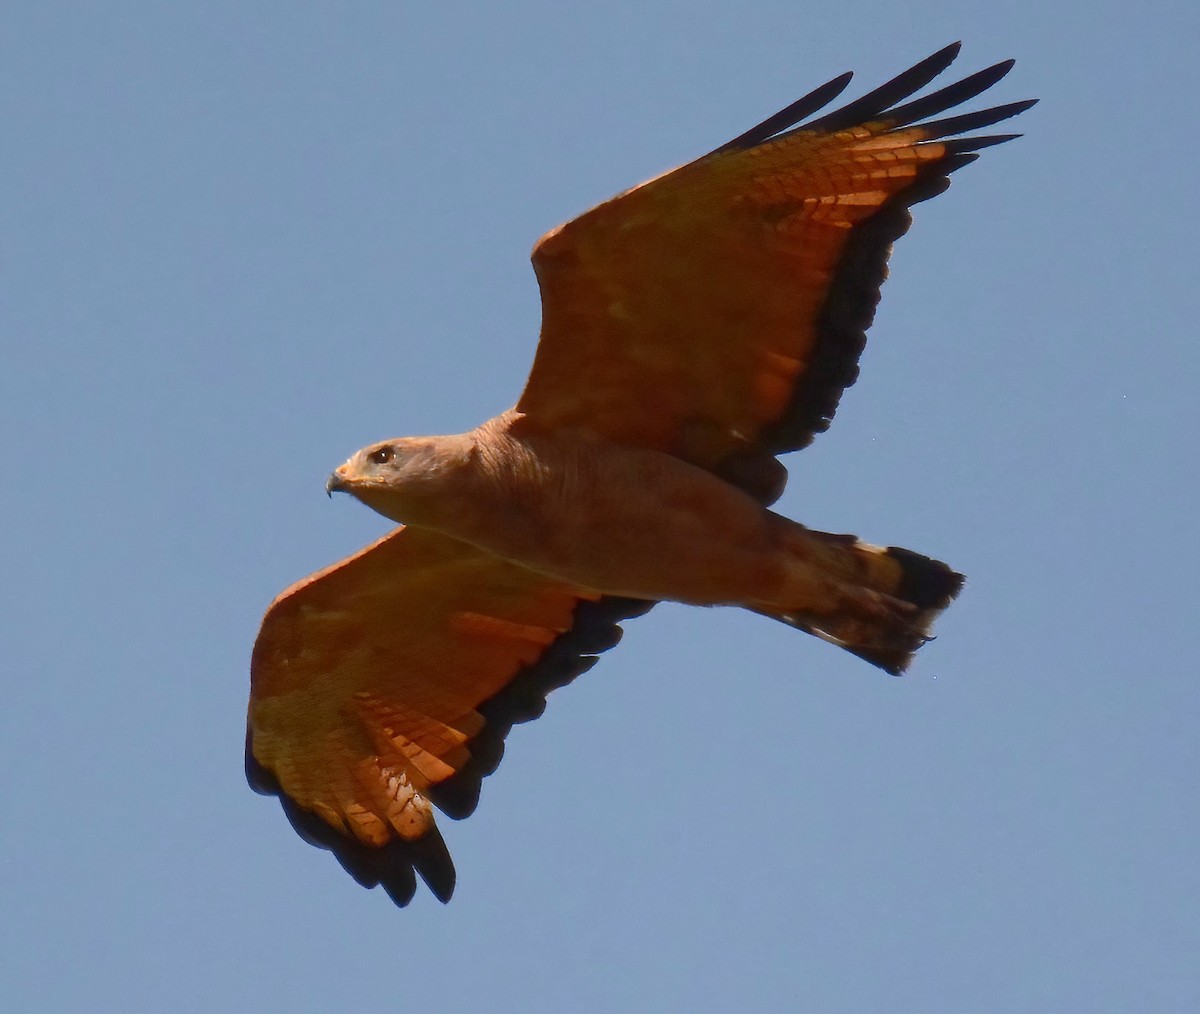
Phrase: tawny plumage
(694, 328)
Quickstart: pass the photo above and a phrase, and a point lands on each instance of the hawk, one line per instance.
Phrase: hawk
(694, 328)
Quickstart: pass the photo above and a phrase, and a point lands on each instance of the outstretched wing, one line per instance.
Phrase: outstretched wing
(388, 682)
(718, 312)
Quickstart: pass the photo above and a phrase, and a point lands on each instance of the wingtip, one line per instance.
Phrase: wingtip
(989, 76)
(431, 859)
(943, 57)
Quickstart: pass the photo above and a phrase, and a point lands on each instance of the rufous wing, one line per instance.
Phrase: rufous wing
(717, 312)
(385, 685)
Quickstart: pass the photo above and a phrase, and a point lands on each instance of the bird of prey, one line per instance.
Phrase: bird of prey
(693, 329)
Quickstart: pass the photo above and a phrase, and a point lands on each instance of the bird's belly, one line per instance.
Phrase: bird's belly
(628, 521)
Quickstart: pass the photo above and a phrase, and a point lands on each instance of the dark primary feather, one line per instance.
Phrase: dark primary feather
(818, 98)
(875, 103)
(854, 291)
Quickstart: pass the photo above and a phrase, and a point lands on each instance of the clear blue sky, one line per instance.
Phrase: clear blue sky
(243, 239)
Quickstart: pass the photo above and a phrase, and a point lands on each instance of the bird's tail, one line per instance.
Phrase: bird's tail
(877, 603)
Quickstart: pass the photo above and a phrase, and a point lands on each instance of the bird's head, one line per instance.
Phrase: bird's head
(400, 478)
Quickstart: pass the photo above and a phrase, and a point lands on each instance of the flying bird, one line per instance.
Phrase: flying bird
(694, 328)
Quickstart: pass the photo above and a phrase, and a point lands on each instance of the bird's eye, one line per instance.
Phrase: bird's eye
(382, 455)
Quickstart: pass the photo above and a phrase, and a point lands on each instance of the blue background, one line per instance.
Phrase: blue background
(243, 239)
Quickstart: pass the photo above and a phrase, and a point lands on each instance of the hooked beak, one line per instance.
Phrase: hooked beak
(335, 482)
